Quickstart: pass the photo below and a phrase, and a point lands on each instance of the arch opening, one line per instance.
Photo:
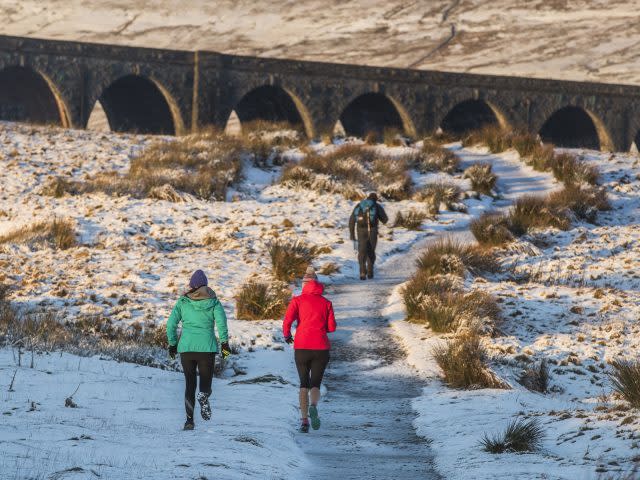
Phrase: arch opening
(373, 113)
(469, 116)
(271, 104)
(138, 105)
(28, 96)
(574, 127)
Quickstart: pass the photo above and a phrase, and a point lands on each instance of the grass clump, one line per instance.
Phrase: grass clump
(583, 202)
(532, 211)
(491, 229)
(463, 363)
(536, 378)
(482, 178)
(625, 378)
(289, 260)
(494, 137)
(448, 256)
(411, 220)
(261, 301)
(435, 158)
(520, 436)
(59, 234)
(572, 171)
(441, 194)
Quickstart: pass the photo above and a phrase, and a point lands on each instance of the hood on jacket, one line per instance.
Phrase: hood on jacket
(202, 298)
(313, 287)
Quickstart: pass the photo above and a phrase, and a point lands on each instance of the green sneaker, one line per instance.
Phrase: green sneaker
(315, 419)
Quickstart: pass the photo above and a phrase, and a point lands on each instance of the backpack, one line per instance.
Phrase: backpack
(366, 213)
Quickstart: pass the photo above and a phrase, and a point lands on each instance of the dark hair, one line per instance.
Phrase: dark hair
(373, 196)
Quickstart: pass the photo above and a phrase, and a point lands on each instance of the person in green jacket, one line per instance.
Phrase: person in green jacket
(200, 313)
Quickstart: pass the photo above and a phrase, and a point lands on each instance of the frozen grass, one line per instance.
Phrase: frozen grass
(435, 158)
(494, 137)
(411, 219)
(290, 259)
(625, 378)
(535, 377)
(491, 229)
(449, 256)
(463, 364)
(531, 211)
(569, 169)
(583, 202)
(262, 301)
(58, 233)
(440, 194)
(520, 436)
(482, 178)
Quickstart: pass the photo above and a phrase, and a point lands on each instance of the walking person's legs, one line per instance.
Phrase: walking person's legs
(318, 366)
(363, 242)
(371, 255)
(303, 365)
(206, 362)
(189, 369)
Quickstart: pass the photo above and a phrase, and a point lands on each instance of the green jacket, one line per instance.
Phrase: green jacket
(200, 313)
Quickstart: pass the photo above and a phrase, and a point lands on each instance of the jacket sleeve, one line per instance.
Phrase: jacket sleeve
(290, 317)
(382, 215)
(221, 322)
(352, 225)
(172, 324)
(331, 319)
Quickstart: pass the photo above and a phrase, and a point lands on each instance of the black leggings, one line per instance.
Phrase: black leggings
(203, 362)
(311, 365)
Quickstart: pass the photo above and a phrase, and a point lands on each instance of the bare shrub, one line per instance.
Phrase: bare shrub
(520, 436)
(491, 229)
(625, 378)
(58, 233)
(463, 363)
(434, 158)
(536, 378)
(290, 259)
(584, 202)
(449, 256)
(482, 178)
(261, 301)
(439, 194)
(411, 219)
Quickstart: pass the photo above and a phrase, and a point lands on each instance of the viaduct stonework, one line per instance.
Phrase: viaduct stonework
(172, 92)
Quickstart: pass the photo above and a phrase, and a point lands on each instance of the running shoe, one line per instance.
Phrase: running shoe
(205, 407)
(315, 419)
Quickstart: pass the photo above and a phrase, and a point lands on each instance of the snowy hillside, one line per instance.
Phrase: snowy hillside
(568, 39)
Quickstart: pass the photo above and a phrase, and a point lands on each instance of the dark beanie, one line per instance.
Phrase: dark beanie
(373, 196)
(198, 279)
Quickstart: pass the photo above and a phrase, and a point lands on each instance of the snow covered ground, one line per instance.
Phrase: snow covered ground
(573, 40)
(573, 301)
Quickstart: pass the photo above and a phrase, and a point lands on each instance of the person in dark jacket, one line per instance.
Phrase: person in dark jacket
(315, 318)
(201, 314)
(365, 219)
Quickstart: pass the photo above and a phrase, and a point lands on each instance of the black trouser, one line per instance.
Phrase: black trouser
(311, 365)
(203, 362)
(367, 242)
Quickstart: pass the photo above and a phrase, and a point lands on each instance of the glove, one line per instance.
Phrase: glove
(225, 349)
(173, 350)
(289, 339)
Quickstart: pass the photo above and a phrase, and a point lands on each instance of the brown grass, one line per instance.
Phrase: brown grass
(532, 211)
(58, 233)
(448, 256)
(435, 158)
(491, 229)
(439, 194)
(411, 219)
(584, 202)
(289, 260)
(482, 178)
(262, 301)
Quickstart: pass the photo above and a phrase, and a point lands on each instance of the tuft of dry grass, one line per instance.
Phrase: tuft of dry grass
(262, 301)
(463, 363)
(520, 436)
(58, 233)
(329, 268)
(482, 178)
(289, 260)
(583, 202)
(448, 256)
(441, 194)
(532, 211)
(536, 378)
(572, 171)
(435, 158)
(494, 137)
(625, 378)
(491, 229)
(411, 219)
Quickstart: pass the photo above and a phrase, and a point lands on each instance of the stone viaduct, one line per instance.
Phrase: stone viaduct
(172, 92)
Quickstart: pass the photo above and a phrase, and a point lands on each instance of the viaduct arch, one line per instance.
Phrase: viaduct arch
(173, 92)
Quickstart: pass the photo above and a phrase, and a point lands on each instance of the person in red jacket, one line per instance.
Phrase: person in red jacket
(315, 318)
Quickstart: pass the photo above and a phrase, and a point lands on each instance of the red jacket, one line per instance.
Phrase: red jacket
(315, 318)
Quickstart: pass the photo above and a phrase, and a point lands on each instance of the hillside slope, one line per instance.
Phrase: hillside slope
(565, 39)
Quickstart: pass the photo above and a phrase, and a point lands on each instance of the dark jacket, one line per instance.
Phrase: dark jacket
(366, 217)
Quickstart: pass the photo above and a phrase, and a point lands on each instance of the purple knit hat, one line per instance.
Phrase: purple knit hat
(198, 279)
